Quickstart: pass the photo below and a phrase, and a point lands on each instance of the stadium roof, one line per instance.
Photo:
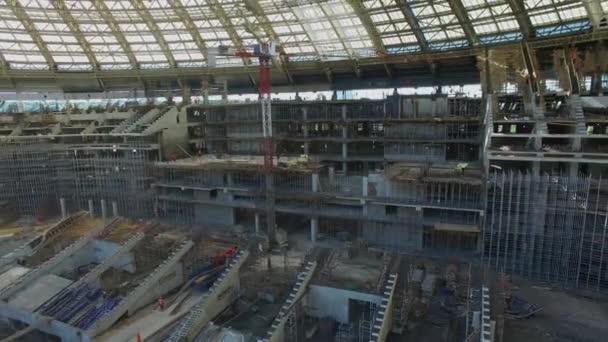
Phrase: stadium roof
(172, 36)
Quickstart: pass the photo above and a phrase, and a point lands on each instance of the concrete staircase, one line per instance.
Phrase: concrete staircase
(125, 247)
(48, 265)
(381, 323)
(576, 109)
(34, 244)
(297, 291)
(201, 313)
(159, 123)
(160, 271)
(144, 122)
(121, 128)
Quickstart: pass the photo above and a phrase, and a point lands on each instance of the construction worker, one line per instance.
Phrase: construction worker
(161, 303)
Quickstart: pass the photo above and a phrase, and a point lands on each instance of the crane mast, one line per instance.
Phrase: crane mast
(265, 53)
(267, 142)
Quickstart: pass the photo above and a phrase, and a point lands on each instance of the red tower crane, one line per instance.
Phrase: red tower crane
(265, 53)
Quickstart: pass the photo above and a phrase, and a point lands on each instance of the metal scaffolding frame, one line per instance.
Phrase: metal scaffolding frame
(548, 228)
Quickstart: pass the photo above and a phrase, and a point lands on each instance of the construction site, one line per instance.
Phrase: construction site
(303, 171)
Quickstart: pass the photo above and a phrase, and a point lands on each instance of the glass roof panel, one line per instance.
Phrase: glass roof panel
(108, 51)
(63, 46)
(179, 40)
(307, 30)
(146, 49)
(550, 12)
(490, 16)
(390, 23)
(437, 20)
(16, 44)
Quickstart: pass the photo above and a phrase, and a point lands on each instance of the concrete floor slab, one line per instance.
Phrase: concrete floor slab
(12, 275)
(36, 294)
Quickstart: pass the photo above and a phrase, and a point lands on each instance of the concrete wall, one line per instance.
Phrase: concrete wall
(322, 301)
(212, 214)
(105, 249)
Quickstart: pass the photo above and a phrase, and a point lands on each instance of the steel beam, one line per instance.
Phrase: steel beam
(143, 12)
(178, 8)
(105, 13)
(413, 22)
(66, 15)
(461, 13)
(22, 16)
(370, 27)
(519, 11)
(595, 11)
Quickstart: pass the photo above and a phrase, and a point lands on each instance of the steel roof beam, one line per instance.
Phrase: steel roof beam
(143, 12)
(461, 14)
(21, 14)
(107, 16)
(525, 24)
(413, 22)
(69, 20)
(370, 27)
(595, 11)
(178, 8)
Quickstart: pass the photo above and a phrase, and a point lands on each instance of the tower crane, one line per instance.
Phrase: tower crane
(265, 52)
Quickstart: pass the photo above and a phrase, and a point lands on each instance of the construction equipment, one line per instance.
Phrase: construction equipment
(265, 52)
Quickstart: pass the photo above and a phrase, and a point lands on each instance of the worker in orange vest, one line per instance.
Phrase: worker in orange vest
(161, 303)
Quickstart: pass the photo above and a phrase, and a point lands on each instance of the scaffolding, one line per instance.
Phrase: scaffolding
(548, 228)
(36, 173)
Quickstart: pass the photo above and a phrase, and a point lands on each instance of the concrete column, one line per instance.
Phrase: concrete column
(205, 91)
(64, 211)
(314, 228)
(344, 112)
(229, 180)
(225, 91)
(186, 93)
(364, 186)
(104, 210)
(332, 175)
(344, 167)
(536, 168)
(257, 223)
(114, 209)
(91, 207)
(306, 148)
(315, 182)
(573, 169)
(344, 151)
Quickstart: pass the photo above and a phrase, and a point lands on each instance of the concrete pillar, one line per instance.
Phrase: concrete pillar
(257, 223)
(306, 148)
(104, 210)
(344, 112)
(229, 180)
(314, 228)
(186, 93)
(536, 168)
(364, 186)
(315, 182)
(332, 175)
(344, 167)
(224, 91)
(205, 91)
(91, 207)
(114, 209)
(573, 169)
(344, 151)
(64, 211)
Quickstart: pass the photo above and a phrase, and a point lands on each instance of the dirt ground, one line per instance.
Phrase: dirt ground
(566, 317)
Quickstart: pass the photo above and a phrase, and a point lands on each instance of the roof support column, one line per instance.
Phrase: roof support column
(595, 11)
(413, 22)
(519, 10)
